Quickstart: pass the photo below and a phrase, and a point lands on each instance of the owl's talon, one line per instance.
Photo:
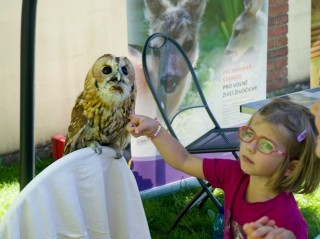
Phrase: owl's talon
(118, 156)
(98, 151)
(119, 152)
(97, 148)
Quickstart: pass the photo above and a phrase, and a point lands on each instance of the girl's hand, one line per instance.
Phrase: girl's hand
(171, 150)
(265, 228)
(315, 110)
(253, 229)
(141, 125)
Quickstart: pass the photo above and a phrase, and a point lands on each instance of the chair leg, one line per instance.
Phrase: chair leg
(202, 196)
(204, 200)
(207, 188)
(199, 196)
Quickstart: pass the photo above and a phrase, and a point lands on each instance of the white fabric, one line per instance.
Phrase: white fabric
(82, 195)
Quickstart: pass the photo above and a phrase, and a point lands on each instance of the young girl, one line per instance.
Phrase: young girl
(266, 228)
(277, 158)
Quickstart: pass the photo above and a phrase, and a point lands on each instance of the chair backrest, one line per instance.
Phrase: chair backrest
(176, 88)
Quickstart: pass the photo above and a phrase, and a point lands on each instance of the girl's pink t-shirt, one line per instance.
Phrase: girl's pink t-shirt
(227, 175)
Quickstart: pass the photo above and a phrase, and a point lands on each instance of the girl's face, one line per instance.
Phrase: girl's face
(254, 162)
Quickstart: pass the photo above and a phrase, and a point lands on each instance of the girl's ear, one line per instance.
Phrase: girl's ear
(291, 167)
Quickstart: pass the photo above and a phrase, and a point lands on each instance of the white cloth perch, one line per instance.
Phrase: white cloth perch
(82, 195)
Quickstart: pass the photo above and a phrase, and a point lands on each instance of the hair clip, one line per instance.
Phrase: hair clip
(302, 136)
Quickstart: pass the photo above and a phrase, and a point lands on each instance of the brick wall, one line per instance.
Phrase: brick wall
(277, 59)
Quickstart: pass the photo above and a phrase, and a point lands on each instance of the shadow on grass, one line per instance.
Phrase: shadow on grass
(161, 212)
(10, 173)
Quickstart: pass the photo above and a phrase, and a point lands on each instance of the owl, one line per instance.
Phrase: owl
(101, 111)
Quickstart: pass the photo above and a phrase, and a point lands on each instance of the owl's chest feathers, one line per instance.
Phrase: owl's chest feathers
(105, 121)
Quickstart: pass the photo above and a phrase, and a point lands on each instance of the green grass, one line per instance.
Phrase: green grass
(310, 208)
(9, 182)
(162, 210)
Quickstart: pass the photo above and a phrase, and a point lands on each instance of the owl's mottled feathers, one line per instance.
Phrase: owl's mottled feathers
(101, 111)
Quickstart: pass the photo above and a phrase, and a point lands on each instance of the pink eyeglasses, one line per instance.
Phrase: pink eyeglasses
(264, 145)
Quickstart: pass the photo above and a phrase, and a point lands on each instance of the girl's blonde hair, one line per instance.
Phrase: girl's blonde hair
(296, 119)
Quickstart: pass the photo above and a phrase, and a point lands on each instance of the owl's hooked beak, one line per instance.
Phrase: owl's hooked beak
(117, 78)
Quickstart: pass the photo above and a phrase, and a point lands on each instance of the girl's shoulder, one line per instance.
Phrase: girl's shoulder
(221, 171)
(222, 164)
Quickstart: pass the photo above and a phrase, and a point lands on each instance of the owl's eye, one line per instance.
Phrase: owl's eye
(124, 70)
(107, 70)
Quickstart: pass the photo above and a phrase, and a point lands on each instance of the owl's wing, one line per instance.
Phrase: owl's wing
(78, 123)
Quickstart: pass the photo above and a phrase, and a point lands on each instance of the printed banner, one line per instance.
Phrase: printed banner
(227, 43)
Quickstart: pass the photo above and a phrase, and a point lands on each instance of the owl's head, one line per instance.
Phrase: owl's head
(112, 78)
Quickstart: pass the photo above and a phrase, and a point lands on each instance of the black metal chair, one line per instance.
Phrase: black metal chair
(183, 107)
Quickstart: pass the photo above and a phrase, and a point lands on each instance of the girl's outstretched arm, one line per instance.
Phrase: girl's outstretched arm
(170, 149)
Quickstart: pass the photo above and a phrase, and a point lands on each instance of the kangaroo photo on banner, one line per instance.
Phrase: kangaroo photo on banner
(226, 42)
